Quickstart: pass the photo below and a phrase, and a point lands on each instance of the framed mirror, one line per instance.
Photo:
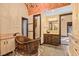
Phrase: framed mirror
(53, 25)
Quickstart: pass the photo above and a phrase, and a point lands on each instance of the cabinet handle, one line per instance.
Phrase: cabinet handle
(7, 42)
(4, 42)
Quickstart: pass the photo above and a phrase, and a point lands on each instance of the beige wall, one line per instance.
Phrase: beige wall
(44, 26)
(11, 17)
(64, 20)
(75, 19)
(30, 27)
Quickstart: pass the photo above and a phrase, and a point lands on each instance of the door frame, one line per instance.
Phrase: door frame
(23, 18)
(60, 23)
(34, 25)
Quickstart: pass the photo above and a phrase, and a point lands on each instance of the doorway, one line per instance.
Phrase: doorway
(69, 27)
(36, 26)
(25, 26)
(65, 27)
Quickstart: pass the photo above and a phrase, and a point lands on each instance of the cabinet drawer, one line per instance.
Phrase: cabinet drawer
(11, 44)
(3, 47)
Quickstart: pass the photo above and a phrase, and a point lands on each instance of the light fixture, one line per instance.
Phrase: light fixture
(31, 5)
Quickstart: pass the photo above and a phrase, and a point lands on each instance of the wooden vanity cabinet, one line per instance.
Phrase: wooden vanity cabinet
(52, 39)
(7, 45)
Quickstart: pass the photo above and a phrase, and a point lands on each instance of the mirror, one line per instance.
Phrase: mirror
(53, 25)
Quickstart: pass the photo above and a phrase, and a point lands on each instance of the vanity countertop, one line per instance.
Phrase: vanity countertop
(6, 36)
(52, 33)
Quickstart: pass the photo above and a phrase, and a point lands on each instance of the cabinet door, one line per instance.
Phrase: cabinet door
(3, 47)
(10, 44)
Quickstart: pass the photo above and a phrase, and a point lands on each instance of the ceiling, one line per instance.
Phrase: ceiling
(39, 7)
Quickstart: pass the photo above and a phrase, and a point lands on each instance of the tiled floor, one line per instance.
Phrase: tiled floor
(50, 50)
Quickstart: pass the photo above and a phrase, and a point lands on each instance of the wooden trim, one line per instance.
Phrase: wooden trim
(60, 23)
(66, 14)
(34, 25)
(23, 18)
(60, 29)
